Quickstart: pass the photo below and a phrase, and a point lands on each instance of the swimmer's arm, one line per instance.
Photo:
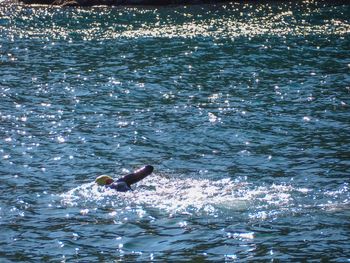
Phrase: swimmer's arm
(137, 176)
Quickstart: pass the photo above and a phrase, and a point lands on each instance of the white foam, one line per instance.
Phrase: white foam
(193, 196)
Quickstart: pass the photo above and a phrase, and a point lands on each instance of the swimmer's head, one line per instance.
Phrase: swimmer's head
(104, 180)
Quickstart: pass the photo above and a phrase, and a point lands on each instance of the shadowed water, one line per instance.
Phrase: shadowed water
(243, 109)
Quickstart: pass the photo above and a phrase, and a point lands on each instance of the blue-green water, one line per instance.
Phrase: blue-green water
(243, 109)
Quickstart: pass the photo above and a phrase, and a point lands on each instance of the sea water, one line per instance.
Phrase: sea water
(242, 108)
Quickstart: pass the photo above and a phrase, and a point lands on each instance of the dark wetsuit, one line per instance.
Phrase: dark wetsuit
(124, 184)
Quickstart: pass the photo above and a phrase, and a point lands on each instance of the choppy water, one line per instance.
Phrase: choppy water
(243, 109)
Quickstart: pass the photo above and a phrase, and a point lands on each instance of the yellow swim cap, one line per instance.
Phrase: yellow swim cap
(104, 180)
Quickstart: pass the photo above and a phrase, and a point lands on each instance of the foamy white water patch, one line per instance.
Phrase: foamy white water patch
(168, 194)
(198, 196)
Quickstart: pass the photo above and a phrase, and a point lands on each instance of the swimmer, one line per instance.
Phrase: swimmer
(124, 184)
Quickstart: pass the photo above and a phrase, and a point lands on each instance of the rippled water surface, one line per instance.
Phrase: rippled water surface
(243, 109)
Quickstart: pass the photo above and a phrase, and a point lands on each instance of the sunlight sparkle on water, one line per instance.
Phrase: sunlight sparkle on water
(194, 24)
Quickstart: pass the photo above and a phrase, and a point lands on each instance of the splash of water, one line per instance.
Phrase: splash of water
(168, 194)
(196, 196)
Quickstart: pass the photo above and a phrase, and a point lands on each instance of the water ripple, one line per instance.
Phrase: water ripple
(243, 108)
